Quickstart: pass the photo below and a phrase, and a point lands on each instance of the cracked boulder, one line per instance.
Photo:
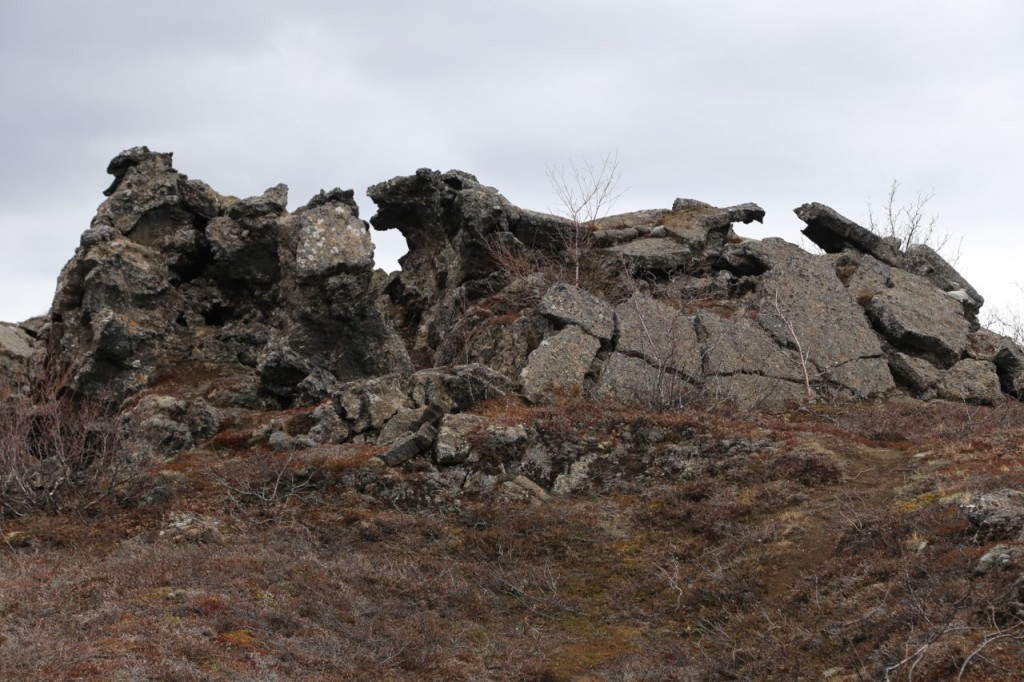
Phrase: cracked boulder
(805, 308)
(912, 314)
(662, 335)
(560, 363)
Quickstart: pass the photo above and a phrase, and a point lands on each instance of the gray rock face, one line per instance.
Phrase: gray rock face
(16, 349)
(633, 380)
(184, 280)
(1006, 355)
(653, 254)
(975, 381)
(741, 346)
(250, 306)
(802, 303)
(449, 221)
(912, 314)
(754, 392)
(500, 331)
(922, 260)
(660, 334)
(560, 362)
(919, 375)
(569, 305)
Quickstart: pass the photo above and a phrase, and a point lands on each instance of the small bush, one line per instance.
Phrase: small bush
(60, 453)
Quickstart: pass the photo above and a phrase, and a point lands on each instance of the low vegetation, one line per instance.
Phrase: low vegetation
(815, 543)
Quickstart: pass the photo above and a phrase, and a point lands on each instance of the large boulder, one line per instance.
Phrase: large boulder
(561, 362)
(741, 346)
(912, 314)
(805, 308)
(567, 304)
(660, 334)
(1005, 354)
(173, 282)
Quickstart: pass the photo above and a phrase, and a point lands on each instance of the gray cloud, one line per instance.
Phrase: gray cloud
(731, 101)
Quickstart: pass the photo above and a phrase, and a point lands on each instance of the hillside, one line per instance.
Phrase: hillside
(642, 448)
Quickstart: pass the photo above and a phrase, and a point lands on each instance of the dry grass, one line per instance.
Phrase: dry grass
(808, 542)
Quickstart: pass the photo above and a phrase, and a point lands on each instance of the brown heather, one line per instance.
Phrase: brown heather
(846, 555)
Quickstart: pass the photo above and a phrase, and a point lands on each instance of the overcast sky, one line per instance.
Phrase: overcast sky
(777, 102)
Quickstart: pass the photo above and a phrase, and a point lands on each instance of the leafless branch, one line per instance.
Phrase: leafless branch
(586, 191)
(910, 224)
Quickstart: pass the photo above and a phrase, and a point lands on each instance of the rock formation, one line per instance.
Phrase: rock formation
(176, 283)
(189, 308)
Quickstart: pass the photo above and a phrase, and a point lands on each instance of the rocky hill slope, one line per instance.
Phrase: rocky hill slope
(673, 453)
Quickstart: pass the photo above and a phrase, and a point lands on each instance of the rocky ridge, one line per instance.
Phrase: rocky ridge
(193, 311)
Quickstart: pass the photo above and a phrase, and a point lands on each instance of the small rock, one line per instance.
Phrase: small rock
(191, 527)
(996, 515)
(280, 441)
(999, 556)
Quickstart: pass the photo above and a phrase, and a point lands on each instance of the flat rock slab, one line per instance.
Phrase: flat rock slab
(802, 300)
(653, 253)
(919, 375)
(740, 346)
(910, 311)
(925, 261)
(660, 334)
(560, 362)
(834, 233)
(570, 305)
(632, 380)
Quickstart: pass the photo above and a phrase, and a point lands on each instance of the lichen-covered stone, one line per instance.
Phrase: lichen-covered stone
(660, 334)
(560, 363)
(570, 305)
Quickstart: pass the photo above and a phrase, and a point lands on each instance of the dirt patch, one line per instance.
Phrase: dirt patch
(871, 480)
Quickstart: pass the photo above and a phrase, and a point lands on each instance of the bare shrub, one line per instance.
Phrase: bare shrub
(1009, 322)
(911, 224)
(59, 452)
(513, 261)
(263, 480)
(586, 191)
(803, 357)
